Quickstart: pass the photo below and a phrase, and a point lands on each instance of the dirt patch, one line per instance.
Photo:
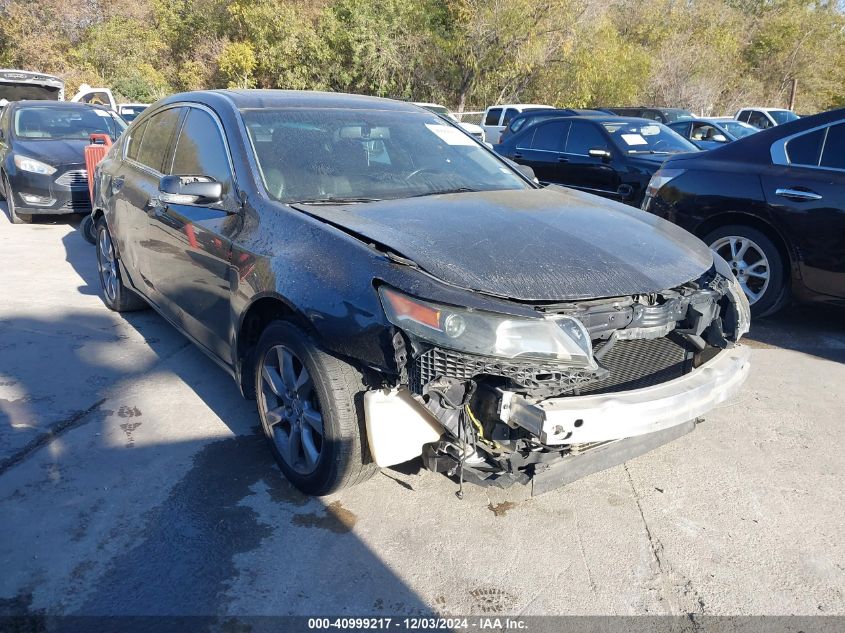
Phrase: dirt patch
(337, 519)
(501, 509)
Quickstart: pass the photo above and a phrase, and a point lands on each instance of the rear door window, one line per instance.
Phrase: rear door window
(743, 116)
(493, 116)
(550, 137)
(201, 150)
(583, 137)
(157, 137)
(806, 149)
(833, 155)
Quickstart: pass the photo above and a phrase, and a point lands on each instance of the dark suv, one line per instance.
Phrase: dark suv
(387, 288)
(663, 115)
(610, 156)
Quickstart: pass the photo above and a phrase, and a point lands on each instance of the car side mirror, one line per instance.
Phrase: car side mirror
(597, 152)
(190, 190)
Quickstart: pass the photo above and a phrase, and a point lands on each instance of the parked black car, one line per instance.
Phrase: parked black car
(663, 115)
(42, 162)
(386, 287)
(610, 156)
(530, 117)
(773, 204)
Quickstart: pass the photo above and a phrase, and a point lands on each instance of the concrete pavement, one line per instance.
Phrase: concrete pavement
(133, 480)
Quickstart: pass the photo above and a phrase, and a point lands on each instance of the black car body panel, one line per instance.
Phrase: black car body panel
(544, 245)
(739, 184)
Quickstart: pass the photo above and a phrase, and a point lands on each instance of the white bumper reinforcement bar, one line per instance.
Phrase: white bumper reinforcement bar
(612, 416)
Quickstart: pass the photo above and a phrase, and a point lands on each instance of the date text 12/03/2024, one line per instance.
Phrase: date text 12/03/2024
(412, 624)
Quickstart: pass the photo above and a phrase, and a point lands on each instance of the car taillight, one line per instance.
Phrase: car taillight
(660, 178)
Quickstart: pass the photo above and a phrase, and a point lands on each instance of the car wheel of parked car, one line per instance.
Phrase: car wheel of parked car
(757, 264)
(115, 295)
(14, 216)
(311, 409)
(88, 229)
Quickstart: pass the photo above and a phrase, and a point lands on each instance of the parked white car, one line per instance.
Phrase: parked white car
(765, 117)
(496, 118)
(475, 130)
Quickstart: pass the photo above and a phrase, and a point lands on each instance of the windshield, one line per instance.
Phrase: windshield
(647, 138)
(739, 129)
(783, 116)
(65, 123)
(359, 156)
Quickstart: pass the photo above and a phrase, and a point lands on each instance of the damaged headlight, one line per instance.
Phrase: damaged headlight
(556, 338)
(737, 297)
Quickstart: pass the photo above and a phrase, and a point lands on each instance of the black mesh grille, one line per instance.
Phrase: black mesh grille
(531, 375)
(631, 365)
(640, 363)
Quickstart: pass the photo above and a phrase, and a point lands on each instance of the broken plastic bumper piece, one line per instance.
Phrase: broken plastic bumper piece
(613, 416)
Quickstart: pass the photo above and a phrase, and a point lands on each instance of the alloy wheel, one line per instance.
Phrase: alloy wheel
(291, 410)
(748, 262)
(108, 266)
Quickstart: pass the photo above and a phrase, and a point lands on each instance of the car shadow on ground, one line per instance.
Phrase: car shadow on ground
(158, 526)
(815, 329)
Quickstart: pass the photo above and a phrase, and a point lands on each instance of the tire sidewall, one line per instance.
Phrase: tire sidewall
(775, 294)
(283, 333)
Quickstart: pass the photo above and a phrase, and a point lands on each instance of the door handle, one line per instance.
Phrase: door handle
(797, 194)
(562, 159)
(516, 156)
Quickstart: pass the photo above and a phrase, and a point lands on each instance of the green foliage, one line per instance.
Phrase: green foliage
(708, 55)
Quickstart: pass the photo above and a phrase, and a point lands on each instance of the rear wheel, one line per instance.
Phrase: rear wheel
(116, 295)
(14, 216)
(311, 409)
(756, 263)
(88, 228)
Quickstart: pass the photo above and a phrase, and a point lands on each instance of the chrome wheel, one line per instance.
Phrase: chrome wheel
(290, 409)
(748, 262)
(108, 266)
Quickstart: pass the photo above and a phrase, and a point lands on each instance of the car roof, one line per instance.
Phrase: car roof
(250, 99)
(762, 109)
(536, 106)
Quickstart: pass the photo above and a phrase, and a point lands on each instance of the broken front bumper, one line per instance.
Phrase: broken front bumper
(612, 416)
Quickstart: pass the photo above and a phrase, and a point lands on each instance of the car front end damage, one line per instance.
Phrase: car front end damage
(583, 386)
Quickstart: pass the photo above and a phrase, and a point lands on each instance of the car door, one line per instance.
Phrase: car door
(193, 241)
(589, 173)
(134, 186)
(541, 148)
(805, 188)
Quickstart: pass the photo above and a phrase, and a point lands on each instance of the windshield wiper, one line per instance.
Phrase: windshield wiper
(336, 200)
(647, 151)
(440, 192)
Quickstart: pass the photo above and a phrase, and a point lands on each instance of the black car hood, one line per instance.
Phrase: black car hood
(52, 152)
(550, 244)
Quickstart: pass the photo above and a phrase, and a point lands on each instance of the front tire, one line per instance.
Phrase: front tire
(311, 409)
(757, 264)
(116, 295)
(14, 216)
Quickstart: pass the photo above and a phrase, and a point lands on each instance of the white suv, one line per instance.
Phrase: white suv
(765, 117)
(496, 118)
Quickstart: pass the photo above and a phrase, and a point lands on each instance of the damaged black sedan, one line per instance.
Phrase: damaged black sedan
(387, 288)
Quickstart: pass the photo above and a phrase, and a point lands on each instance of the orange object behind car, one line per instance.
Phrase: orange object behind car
(94, 153)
